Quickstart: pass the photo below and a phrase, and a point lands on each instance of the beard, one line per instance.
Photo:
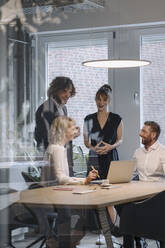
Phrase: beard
(146, 141)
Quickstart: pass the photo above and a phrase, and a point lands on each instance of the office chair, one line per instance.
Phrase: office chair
(24, 215)
(27, 177)
(145, 219)
(31, 181)
(19, 216)
(26, 219)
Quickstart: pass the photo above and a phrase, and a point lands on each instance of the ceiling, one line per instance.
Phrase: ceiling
(30, 6)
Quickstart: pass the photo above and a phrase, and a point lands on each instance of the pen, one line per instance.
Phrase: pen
(92, 167)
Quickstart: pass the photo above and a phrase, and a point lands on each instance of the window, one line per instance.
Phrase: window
(153, 81)
(65, 59)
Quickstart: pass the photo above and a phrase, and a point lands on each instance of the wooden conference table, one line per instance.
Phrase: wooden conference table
(99, 199)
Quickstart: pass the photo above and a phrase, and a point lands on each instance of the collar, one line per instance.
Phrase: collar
(56, 103)
(153, 147)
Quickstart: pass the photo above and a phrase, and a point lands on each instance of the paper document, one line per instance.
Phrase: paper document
(111, 186)
(63, 188)
(83, 191)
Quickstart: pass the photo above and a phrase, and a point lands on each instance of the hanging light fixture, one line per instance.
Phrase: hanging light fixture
(116, 63)
(119, 62)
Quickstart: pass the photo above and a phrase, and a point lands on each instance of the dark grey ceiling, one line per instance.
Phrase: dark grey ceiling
(57, 3)
(30, 6)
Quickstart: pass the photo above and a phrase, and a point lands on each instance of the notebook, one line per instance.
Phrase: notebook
(121, 171)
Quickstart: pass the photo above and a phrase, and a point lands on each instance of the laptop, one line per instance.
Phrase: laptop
(121, 171)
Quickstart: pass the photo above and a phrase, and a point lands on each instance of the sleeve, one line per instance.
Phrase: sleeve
(134, 155)
(39, 128)
(163, 162)
(59, 163)
(70, 157)
(85, 128)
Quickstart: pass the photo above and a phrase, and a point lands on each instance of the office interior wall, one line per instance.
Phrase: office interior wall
(127, 83)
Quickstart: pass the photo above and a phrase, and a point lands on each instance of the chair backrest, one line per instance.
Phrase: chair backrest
(28, 178)
(32, 183)
(145, 219)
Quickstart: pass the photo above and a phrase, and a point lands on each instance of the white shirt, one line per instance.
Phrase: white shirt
(57, 156)
(150, 163)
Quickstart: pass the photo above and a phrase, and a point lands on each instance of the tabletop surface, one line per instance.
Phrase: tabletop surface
(122, 193)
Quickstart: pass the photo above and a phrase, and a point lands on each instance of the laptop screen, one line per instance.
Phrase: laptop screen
(121, 171)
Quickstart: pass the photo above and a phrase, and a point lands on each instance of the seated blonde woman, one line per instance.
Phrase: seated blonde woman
(63, 129)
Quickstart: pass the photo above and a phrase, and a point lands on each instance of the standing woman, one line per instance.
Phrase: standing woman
(102, 133)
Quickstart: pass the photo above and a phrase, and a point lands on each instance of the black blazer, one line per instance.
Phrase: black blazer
(44, 116)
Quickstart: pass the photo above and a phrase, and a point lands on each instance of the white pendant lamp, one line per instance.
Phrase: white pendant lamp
(120, 62)
(116, 63)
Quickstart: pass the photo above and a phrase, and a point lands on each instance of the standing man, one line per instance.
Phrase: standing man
(59, 91)
(150, 159)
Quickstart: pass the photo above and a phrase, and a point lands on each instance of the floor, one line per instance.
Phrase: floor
(89, 241)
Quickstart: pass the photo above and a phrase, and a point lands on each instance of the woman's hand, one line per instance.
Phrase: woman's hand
(77, 132)
(104, 148)
(91, 176)
(96, 148)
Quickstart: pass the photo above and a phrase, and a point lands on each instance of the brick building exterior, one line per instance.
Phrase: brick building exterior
(153, 84)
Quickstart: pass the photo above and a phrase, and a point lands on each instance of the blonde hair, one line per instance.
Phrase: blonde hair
(58, 129)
